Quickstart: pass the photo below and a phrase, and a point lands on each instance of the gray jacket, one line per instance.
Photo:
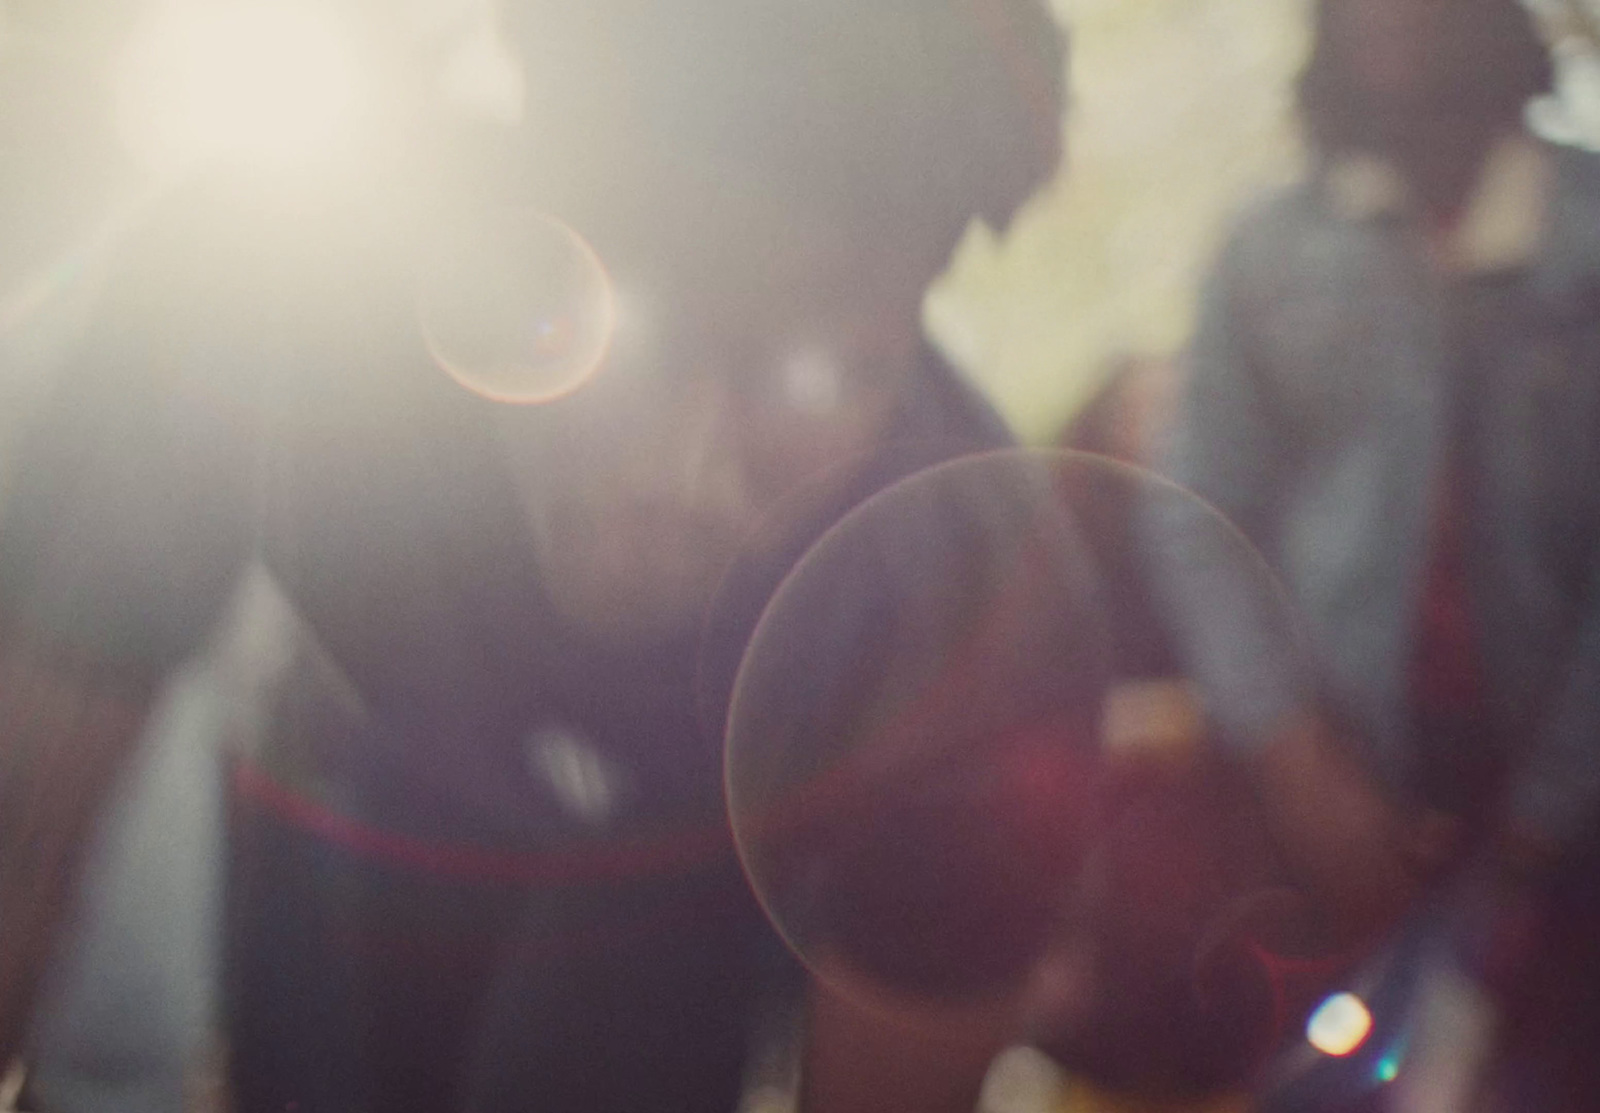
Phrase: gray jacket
(1333, 342)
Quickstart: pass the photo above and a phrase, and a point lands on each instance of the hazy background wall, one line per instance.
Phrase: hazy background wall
(1180, 110)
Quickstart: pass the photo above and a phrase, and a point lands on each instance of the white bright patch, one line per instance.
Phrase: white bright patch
(1022, 1080)
(266, 84)
(1340, 1025)
(580, 777)
(812, 381)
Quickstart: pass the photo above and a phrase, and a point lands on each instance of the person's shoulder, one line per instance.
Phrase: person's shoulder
(1313, 237)
(1268, 222)
(945, 409)
(1573, 214)
(1571, 250)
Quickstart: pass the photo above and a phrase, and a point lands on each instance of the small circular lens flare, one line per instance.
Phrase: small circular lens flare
(1340, 1025)
(516, 307)
(270, 86)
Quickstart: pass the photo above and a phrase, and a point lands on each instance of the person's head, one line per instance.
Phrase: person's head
(1426, 83)
(770, 187)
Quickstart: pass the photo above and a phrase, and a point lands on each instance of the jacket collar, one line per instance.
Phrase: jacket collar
(1503, 226)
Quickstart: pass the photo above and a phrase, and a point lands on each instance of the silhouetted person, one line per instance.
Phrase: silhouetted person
(480, 859)
(1391, 391)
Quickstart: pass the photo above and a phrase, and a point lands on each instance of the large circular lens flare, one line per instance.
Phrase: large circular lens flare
(965, 767)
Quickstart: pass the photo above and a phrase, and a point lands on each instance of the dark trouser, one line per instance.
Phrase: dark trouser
(663, 1025)
(360, 986)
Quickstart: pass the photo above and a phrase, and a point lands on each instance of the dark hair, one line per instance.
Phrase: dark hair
(901, 117)
(1484, 64)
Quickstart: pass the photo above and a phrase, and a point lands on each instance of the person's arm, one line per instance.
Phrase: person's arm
(66, 731)
(1229, 444)
(1236, 633)
(1555, 792)
(1551, 811)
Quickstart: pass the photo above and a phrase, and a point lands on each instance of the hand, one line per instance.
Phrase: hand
(1336, 829)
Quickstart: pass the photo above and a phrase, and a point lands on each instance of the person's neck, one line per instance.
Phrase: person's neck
(1444, 168)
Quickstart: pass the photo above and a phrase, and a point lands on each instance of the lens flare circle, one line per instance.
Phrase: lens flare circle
(962, 775)
(915, 753)
(516, 306)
